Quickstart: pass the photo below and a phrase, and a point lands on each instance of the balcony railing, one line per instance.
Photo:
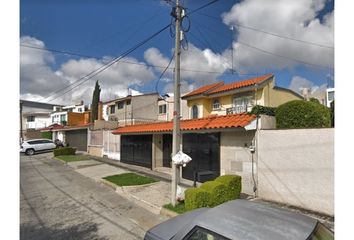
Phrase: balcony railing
(238, 109)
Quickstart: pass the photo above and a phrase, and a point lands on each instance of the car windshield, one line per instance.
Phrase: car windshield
(322, 233)
(199, 233)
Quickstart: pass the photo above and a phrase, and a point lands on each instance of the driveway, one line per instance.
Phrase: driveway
(59, 203)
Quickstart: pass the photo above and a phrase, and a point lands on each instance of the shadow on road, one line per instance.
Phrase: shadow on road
(84, 231)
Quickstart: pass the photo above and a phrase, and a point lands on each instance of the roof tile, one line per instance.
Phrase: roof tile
(211, 122)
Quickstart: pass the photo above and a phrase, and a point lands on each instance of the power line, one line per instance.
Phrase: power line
(163, 72)
(124, 61)
(274, 34)
(109, 64)
(275, 54)
(201, 7)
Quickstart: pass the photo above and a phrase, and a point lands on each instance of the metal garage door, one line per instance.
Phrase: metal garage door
(204, 149)
(77, 138)
(136, 149)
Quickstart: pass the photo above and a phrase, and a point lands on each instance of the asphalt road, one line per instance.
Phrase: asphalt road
(58, 203)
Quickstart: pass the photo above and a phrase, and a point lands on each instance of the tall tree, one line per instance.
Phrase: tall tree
(95, 100)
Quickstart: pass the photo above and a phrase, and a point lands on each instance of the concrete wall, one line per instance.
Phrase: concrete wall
(296, 167)
(157, 151)
(235, 157)
(95, 151)
(111, 145)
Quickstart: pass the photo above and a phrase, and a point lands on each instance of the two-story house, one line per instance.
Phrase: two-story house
(166, 108)
(219, 134)
(237, 97)
(132, 109)
(70, 124)
(34, 116)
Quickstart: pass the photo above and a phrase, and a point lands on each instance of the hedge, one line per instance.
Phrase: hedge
(302, 114)
(233, 185)
(218, 192)
(195, 198)
(258, 109)
(64, 151)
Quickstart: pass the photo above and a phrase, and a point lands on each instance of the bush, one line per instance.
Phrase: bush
(64, 151)
(257, 110)
(233, 185)
(218, 192)
(195, 198)
(47, 135)
(302, 114)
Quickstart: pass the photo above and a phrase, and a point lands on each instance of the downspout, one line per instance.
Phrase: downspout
(255, 147)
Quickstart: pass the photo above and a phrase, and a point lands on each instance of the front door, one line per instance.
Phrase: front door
(167, 149)
(204, 149)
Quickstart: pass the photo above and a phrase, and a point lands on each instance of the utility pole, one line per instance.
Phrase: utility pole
(176, 137)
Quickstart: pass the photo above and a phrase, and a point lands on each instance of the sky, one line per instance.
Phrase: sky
(224, 41)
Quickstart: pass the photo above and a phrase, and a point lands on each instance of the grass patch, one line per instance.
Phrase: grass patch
(179, 208)
(129, 179)
(73, 158)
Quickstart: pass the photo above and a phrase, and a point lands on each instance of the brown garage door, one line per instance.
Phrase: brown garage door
(77, 138)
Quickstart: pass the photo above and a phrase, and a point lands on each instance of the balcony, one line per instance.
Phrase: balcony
(238, 109)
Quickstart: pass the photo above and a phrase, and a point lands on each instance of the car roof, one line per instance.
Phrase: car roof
(242, 219)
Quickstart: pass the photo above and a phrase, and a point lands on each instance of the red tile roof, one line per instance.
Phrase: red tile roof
(221, 87)
(211, 122)
(54, 126)
(241, 84)
(204, 89)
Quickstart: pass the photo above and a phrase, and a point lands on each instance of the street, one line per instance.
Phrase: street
(58, 203)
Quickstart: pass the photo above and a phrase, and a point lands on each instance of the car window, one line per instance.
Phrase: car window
(34, 142)
(47, 141)
(199, 233)
(322, 233)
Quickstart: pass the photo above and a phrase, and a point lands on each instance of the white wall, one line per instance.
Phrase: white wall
(236, 158)
(296, 167)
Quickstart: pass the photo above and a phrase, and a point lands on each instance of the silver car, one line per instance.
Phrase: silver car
(32, 146)
(240, 219)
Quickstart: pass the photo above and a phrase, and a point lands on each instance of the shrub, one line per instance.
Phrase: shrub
(233, 185)
(257, 110)
(195, 198)
(47, 135)
(64, 151)
(218, 192)
(302, 114)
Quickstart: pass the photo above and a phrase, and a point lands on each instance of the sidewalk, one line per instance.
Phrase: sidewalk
(153, 196)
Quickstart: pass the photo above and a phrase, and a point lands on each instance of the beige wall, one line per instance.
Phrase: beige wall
(157, 151)
(278, 97)
(95, 151)
(236, 158)
(296, 167)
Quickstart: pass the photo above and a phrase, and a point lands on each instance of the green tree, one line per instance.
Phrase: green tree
(315, 100)
(95, 100)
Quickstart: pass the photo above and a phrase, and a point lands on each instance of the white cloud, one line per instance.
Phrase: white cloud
(38, 79)
(297, 83)
(295, 19)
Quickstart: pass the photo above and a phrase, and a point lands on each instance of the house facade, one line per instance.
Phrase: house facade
(34, 116)
(237, 97)
(166, 108)
(218, 133)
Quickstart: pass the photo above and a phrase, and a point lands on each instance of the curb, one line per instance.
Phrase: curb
(62, 161)
(168, 213)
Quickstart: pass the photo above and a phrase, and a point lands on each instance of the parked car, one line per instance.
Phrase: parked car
(32, 146)
(240, 219)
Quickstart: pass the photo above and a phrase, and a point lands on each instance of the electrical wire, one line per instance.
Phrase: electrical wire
(104, 67)
(273, 34)
(123, 61)
(201, 7)
(275, 54)
(163, 72)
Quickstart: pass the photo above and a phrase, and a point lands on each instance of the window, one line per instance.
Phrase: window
(216, 104)
(62, 118)
(128, 102)
(331, 96)
(112, 109)
(195, 111)
(79, 109)
(243, 104)
(120, 105)
(198, 233)
(162, 109)
(30, 118)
